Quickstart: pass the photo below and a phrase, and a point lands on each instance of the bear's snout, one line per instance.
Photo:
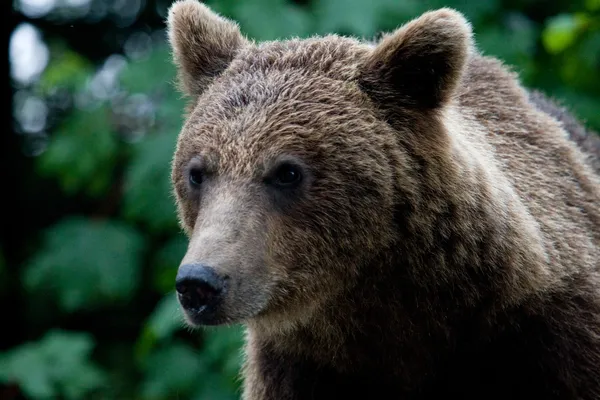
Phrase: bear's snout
(200, 290)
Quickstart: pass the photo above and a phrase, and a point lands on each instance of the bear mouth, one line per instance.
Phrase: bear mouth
(204, 315)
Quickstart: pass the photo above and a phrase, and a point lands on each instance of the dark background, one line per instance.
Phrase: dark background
(89, 240)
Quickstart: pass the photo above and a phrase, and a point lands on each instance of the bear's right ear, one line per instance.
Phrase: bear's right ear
(420, 64)
(203, 44)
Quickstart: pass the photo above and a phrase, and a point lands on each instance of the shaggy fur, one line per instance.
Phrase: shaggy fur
(588, 141)
(444, 240)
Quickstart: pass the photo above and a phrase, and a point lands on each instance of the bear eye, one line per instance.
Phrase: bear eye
(287, 175)
(195, 177)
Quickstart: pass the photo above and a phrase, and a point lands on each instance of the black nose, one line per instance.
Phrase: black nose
(198, 285)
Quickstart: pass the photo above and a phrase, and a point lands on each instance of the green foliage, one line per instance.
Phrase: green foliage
(172, 369)
(107, 266)
(147, 194)
(222, 349)
(358, 18)
(285, 19)
(164, 321)
(85, 263)
(561, 32)
(81, 152)
(166, 318)
(66, 69)
(3, 272)
(150, 73)
(147, 197)
(58, 365)
(170, 365)
(164, 261)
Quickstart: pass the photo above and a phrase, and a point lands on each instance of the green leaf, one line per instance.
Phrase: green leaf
(561, 31)
(589, 54)
(140, 77)
(284, 19)
(166, 317)
(82, 152)
(223, 7)
(66, 69)
(151, 72)
(84, 263)
(216, 386)
(165, 320)
(3, 272)
(173, 371)
(523, 36)
(592, 5)
(475, 11)
(223, 348)
(58, 365)
(166, 261)
(582, 106)
(147, 192)
(355, 17)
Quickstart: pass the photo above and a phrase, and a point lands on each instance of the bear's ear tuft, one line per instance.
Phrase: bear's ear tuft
(420, 64)
(203, 44)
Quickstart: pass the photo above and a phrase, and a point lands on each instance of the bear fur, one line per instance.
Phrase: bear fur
(444, 237)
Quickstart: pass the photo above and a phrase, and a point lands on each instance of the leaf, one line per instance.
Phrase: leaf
(147, 194)
(66, 69)
(3, 272)
(523, 35)
(592, 5)
(165, 320)
(166, 317)
(475, 11)
(140, 77)
(84, 263)
(589, 54)
(149, 73)
(354, 17)
(81, 153)
(58, 365)
(284, 19)
(166, 262)
(175, 369)
(147, 190)
(561, 31)
(223, 7)
(582, 106)
(223, 348)
(216, 386)
(396, 13)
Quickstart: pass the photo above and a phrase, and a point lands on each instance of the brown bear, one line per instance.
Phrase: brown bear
(399, 219)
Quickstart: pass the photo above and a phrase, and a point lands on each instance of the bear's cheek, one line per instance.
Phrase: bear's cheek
(299, 252)
(188, 214)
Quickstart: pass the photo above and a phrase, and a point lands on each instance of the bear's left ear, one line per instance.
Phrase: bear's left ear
(420, 64)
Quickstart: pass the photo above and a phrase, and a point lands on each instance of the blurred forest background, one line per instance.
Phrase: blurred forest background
(89, 240)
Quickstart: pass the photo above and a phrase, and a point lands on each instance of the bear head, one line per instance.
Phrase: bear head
(291, 168)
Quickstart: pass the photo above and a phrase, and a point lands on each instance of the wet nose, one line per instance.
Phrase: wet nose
(198, 286)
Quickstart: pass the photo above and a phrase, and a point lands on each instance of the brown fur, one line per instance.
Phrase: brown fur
(445, 239)
(588, 141)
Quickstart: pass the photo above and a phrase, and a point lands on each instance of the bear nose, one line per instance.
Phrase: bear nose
(198, 285)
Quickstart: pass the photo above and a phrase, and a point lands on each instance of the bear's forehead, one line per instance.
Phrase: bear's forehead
(275, 109)
(331, 56)
(282, 83)
(278, 97)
